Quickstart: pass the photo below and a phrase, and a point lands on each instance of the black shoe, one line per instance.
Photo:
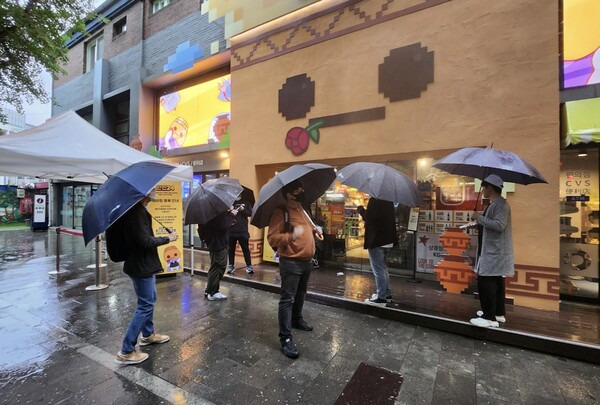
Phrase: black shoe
(289, 348)
(377, 301)
(302, 325)
(388, 298)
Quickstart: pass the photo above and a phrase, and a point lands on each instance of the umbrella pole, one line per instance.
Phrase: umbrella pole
(191, 232)
(98, 285)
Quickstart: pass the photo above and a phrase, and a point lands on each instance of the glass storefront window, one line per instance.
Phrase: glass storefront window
(448, 201)
(73, 200)
(66, 210)
(579, 224)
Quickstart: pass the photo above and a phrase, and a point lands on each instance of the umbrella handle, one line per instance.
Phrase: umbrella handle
(161, 224)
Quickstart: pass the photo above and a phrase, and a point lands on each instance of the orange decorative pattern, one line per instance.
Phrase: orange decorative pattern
(339, 20)
(454, 274)
(534, 282)
(455, 241)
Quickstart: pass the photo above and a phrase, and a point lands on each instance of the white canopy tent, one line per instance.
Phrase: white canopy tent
(67, 147)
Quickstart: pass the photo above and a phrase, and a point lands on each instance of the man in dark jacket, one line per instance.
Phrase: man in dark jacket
(380, 236)
(141, 266)
(239, 233)
(216, 236)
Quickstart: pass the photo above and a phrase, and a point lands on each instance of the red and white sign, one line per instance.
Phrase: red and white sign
(39, 208)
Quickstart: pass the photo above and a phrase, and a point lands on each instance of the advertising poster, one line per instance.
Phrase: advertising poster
(168, 209)
(39, 208)
(196, 115)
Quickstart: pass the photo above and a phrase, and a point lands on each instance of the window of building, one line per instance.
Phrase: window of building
(121, 130)
(94, 51)
(120, 27)
(158, 5)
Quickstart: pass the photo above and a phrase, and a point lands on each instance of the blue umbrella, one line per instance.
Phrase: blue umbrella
(120, 192)
(481, 162)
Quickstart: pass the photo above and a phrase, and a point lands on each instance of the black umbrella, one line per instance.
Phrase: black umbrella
(120, 192)
(481, 162)
(247, 196)
(315, 179)
(382, 182)
(212, 198)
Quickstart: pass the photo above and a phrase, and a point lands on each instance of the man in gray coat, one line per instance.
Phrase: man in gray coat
(496, 258)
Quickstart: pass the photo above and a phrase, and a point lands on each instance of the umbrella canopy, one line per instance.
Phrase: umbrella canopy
(212, 198)
(119, 193)
(248, 196)
(315, 179)
(382, 182)
(481, 162)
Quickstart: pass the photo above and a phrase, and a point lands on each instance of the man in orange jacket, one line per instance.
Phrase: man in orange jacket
(294, 240)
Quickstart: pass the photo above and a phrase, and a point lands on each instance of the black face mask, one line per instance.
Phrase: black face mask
(299, 197)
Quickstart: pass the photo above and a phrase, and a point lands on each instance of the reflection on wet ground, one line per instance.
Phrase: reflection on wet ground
(575, 322)
(59, 342)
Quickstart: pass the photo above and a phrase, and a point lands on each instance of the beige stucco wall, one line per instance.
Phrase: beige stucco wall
(496, 80)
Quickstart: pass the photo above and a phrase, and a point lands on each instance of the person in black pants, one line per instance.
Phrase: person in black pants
(239, 233)
(216, 236)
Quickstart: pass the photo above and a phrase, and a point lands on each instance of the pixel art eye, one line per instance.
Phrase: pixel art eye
(168, 257)
(406, 72)
(296, 97)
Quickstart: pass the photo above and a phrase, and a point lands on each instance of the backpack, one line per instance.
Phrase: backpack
(117, 244)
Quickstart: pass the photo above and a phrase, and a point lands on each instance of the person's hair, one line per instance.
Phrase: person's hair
(290, 187)
(496, 188)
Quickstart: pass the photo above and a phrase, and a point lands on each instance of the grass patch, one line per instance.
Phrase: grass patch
(13, 227)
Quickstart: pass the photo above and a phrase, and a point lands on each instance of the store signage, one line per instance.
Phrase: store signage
(20, 193)
(413, 219)
(578, 198)
(198, 162)
(39, 208)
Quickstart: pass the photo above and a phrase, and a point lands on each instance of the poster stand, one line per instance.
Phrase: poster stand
(413, 225)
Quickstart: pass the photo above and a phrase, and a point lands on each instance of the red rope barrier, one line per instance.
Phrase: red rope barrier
(69, 231)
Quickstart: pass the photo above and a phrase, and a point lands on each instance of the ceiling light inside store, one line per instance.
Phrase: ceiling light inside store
(422, 162)
(224, 155)
(582, 154)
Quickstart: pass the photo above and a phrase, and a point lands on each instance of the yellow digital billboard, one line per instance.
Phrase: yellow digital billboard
(197, 115)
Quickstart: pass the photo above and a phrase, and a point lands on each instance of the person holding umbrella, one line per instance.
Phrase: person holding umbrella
(216, 236)
(495, 259)
(292, 233)
(380, 236)
(141, 265)
(239, 233)
(211, 207)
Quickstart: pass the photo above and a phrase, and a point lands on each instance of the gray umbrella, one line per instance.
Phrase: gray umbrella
(314, 177)
(382, 182)
(212, 198)
(481, 162)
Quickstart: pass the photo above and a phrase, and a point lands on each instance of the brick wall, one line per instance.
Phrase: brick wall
(177, 10)
(74, 94)
(74, 66)
(114, 45)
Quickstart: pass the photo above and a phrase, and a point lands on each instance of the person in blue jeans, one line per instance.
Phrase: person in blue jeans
(380, 236)
(141, 265)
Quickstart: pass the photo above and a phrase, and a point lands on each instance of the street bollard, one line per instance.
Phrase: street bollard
(98, 265)
(58, 269)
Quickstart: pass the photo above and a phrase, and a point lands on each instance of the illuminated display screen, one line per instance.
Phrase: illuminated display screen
(196, 115)
(581, 43)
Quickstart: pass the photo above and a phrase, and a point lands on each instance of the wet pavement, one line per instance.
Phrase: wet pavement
(59, 342)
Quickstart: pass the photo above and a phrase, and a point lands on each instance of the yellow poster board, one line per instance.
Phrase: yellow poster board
(269, 255)
(168, 209)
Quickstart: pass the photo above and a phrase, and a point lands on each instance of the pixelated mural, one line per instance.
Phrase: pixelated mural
(242, 15)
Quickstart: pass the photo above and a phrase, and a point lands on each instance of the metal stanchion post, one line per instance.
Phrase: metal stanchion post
(58, 269)
(98, 265)
(191, 232)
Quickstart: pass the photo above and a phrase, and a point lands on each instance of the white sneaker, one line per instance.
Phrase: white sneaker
(484, 323)
(498, 318)
(230, 269)
(375, 296)
(216, 297)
